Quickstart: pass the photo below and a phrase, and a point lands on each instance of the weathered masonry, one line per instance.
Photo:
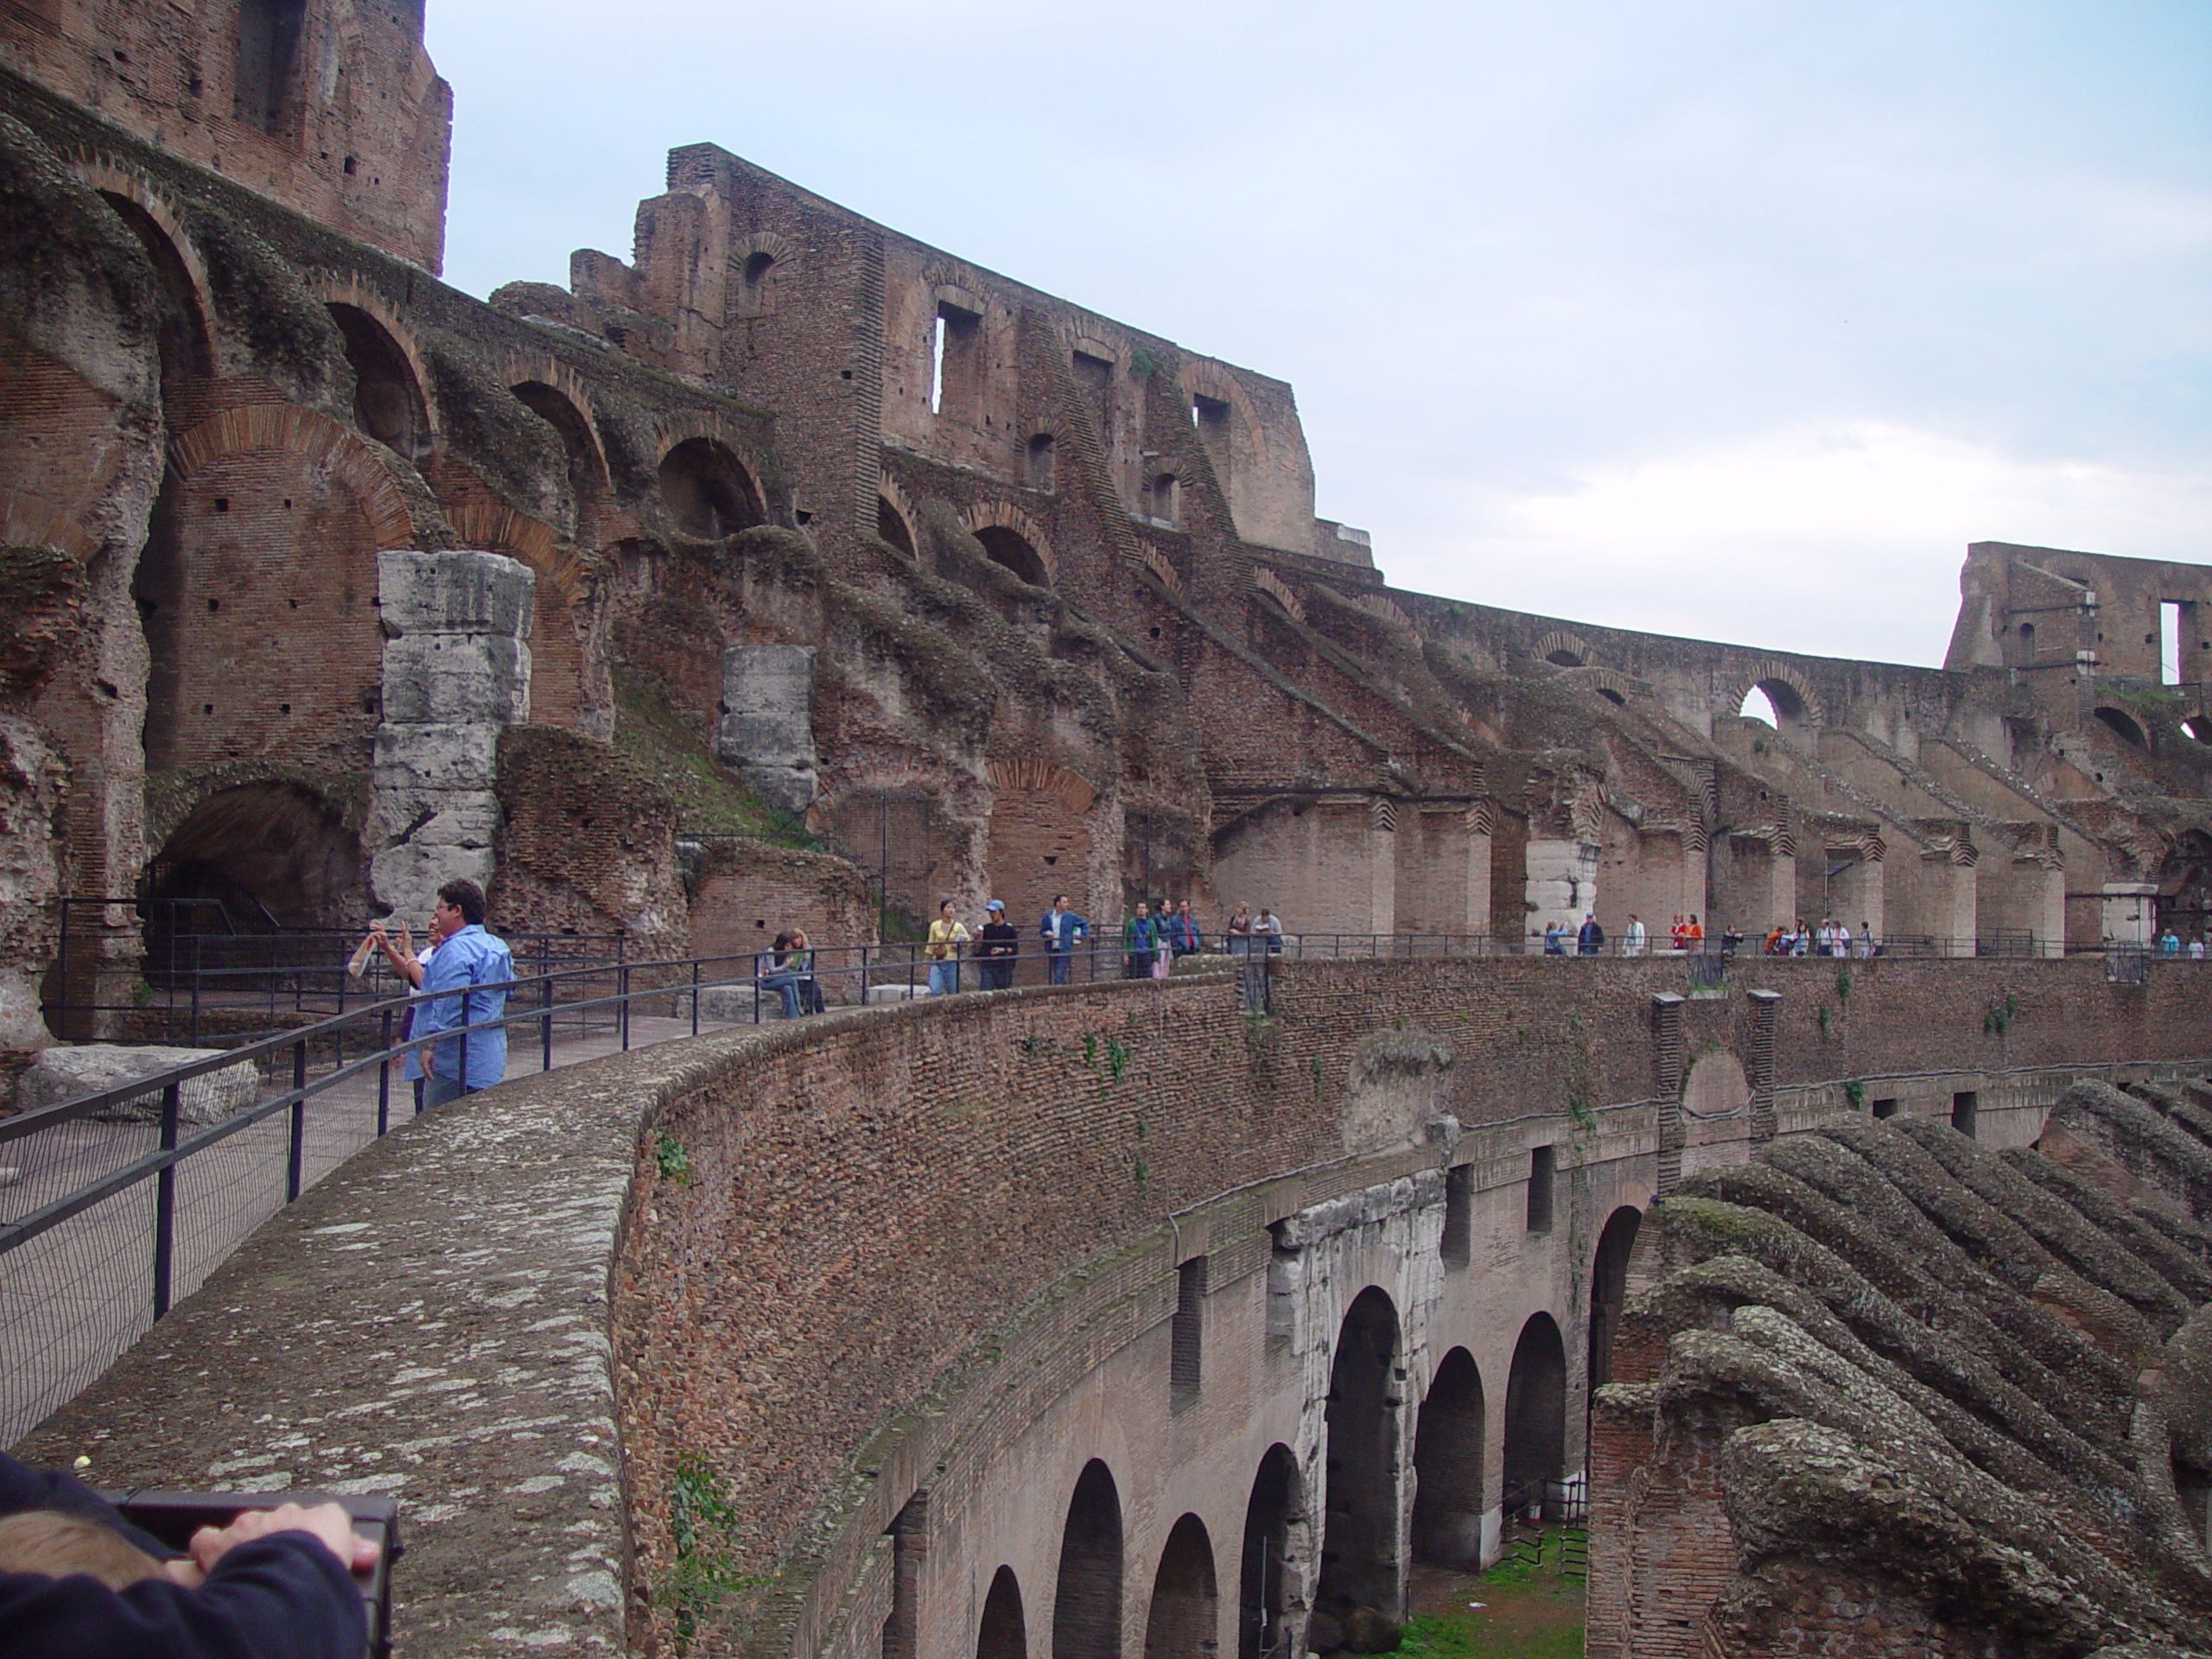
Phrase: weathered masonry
(1072, 1323)
(831, 534)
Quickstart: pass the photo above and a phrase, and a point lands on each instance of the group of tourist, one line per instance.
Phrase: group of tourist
(2170, 945)
(787, 968)
(1153, 937)
(1589, 939)
(1831, 938)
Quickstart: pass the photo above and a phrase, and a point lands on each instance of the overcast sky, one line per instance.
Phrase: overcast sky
(1733, 318)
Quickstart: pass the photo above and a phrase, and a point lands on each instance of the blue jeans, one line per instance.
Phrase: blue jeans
(441, 1091)
(786, 986)
(1060, 962)
(944, 978)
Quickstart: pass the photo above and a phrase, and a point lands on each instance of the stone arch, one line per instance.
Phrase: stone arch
(1793, 700)
(1151, 558)
(751, 259)
(1535, 1413)
(1002, 1634)
(29, 520)
(1183, 1621)
(255, 857)
(1015, 540)
(710, 492)
(1039, 837)
(1360, 1557)
(560, 408)
(392, 401)
(1207, 377)
(268, 531)
(894, 515)
(119, 183)
(1166, 499)
(1266, 581)
(1608, 1289)
(1087, 1596)
(1040, 455)
(1563, 650)
(1274, 1546)
(1615, 689)
(1448, 1467)
(2123, 725)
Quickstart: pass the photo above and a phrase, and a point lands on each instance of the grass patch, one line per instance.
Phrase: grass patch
(1529, 1612)
(709, 799)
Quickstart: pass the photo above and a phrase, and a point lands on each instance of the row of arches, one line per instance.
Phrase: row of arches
(1358, 1557)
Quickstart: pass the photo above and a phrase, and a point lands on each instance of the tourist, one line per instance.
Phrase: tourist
(1554, 938)
(800, 960)
(467, 958)
(2197, 949)
(1183, 936)
(1591, 938)
(946, 936)
(1774, 940)
(78, 1581)
(1633, 943)
(1267, 928)
(996, 948)
(1139, 938)
(2169, 943)
(1163, 959)
(1062, 929)
(411, 967)
(1237, 930)
(1693, 934)
(773, 970)
(1678, 935)
(1865, 939)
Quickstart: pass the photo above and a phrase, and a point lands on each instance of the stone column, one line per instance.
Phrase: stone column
(1562, 886)
(456, 674)
(767, 729)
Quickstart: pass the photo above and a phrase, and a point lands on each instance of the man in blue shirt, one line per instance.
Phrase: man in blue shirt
(466, 956)
(1062, 929)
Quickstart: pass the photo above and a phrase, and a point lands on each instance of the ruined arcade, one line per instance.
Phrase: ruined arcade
(791, 568)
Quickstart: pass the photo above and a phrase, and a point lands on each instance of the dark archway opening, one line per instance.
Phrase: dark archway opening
(587, 474)
(891, 526)
(182, 328)
(1564, 658)
(1275, 1506)
(259, 859)
(1007, 547)
(1608, 1289)
(1535, 1414)
(1087, 1602)
(1359, 1550)
(1184, 1619)
(1448, 1467)
(387, 400)
(1044, 464)
(2125, 727)
(1002, 1634)
(706, 490)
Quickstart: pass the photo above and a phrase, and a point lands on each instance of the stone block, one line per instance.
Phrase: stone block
(67, 1072)
(769, 707)
(447, 678)
(407, 877)
(456, 591)
(461, 755)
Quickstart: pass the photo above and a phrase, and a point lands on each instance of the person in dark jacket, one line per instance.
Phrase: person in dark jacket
(1592, 939)
(996, 947)
(275, 1584)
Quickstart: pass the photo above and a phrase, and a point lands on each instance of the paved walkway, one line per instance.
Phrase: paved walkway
(77, 1296)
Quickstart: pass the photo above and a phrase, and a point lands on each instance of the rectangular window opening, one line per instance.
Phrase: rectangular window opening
(1458, 1247)
(2170, 629)
(1187, 1343)
(1885, 1109)
(1964, 1105)
(936, 363)
(1543, 1170)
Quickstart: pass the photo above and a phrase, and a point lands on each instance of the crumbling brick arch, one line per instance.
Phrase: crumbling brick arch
(1014, 539)
(894, 516)
(752, 260)
(1615, 689)
(153, 218)
(1794, 701)
(28, 520)
(1563, 650)
(557, 396)
(264, 848)
(1228, 427)
(556, 651)
(268, 532)
(1609, 1287)
(1274, 588)
(710, 489)
(392, 400)
(1041, 836)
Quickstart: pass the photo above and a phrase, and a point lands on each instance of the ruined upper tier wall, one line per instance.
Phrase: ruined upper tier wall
(331, 107)
(2038, 609)
(864, 339)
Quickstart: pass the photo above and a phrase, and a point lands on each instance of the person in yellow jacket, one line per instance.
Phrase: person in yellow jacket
(946, 936)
